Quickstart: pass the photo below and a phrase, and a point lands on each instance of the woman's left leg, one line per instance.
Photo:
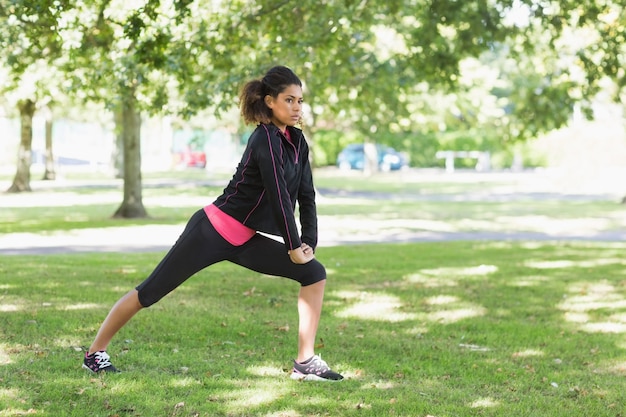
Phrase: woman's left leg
(270, 257)
(310, 301)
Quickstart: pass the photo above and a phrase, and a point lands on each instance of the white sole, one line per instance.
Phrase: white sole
(310, 377)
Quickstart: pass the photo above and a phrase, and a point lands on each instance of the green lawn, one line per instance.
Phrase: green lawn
(485, 328)
(437, 329)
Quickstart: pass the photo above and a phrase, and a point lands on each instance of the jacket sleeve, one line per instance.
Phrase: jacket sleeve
(306, 202)
(269, 156)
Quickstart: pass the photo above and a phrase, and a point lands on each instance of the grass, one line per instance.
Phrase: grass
(437, 329)
(484, 328)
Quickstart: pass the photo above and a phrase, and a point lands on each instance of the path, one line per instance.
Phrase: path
(333, 230)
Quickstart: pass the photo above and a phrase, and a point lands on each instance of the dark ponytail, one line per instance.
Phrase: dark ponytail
(252, 97)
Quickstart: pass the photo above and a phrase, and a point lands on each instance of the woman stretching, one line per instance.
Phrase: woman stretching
(274, 173)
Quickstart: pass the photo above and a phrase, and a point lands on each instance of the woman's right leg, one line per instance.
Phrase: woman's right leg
(197, 247)
(120, 314)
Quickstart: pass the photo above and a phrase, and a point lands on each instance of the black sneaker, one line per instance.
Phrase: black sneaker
(314, 369)
(98, 362)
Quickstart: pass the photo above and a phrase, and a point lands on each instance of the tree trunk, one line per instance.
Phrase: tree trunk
(117, 156)
(21, 181)
(50, 173)
(132, 206)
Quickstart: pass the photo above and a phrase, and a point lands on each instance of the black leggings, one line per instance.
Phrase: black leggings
(200, 245)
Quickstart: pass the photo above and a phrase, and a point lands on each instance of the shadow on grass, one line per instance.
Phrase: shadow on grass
(483, 328)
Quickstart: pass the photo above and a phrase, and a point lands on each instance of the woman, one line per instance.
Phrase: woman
(273, 174)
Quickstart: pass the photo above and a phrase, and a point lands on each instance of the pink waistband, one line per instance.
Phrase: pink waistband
(230, 229)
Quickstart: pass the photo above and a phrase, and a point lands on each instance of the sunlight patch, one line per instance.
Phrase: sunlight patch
(263, 393)
(66, 341)
(527, 353)
(549, 264)
(484, 403)
(265, 371)
(588, 303)
(597, 296)
(284, 413)
(377, 307)
(474, 348)
(431, 282)
(5, 359)
(8, 393)
(604, 327)
(441, 299)
(584, 303)
(418, 331)
(379, 385)
(17, 412)
(618, 368)
(601, 287)
(509, 245)
(184, 382)
(80, 306)
(577, 317)
(573, 264)
(127, 385)
(6, 308)
(620, 317)
(352, 374)
(452, 316)
(461, 272)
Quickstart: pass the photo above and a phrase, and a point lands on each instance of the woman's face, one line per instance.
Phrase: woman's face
(286, 107)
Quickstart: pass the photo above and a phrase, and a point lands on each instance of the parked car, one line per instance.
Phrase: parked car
(353, 157)
(190, 158)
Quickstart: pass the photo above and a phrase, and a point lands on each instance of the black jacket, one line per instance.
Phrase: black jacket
(273, 174)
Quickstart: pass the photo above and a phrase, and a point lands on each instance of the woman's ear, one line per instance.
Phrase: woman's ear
(269, 101)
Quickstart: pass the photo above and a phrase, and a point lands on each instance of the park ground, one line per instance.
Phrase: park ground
(507, 188)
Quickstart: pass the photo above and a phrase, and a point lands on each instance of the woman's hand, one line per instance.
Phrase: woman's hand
(301, 255)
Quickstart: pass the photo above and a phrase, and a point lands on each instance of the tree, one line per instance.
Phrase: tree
(21, 181)
(366, 65)
(361, 61)
(50, 171)
(139, 58)
(32, 80)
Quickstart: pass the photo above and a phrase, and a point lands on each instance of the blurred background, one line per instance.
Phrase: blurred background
(119, 88)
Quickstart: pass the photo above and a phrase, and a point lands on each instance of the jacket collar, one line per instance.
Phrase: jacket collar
(296, 133)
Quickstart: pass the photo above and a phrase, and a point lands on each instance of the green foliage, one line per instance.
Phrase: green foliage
(328, 144)
(423, 147)
(372, 68)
